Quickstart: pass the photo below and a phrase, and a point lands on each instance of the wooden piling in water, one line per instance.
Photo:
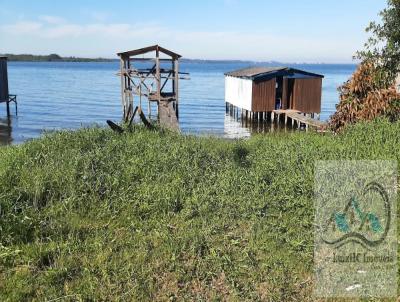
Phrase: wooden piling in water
(5, 97)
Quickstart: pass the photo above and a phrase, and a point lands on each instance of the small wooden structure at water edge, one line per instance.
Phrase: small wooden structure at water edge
(5, 97)
(269, 93)
(154, 79)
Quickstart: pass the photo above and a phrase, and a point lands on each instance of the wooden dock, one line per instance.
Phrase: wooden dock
(298, 118)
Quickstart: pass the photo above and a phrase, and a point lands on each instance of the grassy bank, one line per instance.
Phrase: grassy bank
(158, 216)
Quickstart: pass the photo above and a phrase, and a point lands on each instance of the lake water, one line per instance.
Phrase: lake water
(62, 95)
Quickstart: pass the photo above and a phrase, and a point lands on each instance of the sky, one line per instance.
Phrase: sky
(310, 31)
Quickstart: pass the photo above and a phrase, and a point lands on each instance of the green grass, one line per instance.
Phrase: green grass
(92, 215)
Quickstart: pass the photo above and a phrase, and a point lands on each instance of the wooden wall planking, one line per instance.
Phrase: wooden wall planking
(264, 94)
(306, 96)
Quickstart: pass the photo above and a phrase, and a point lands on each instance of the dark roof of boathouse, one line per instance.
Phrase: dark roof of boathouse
(265, 73)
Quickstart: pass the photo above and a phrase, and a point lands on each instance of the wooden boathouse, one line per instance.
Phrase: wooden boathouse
(5, 97)
(151, 74)
(264, 93)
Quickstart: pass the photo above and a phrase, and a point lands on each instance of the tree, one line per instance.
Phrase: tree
(383, 47)
(370, 92)
(54, 57)
(362, 99)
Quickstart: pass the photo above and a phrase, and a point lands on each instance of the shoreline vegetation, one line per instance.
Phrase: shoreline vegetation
(51, 58)
(155, 215)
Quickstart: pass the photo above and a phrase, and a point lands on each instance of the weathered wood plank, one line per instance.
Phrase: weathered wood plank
(133, 116)
(296, 116)
(144, 119)
(167, 116)
(115, 127)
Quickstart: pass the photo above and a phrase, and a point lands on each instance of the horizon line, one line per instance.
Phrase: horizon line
(192, 59)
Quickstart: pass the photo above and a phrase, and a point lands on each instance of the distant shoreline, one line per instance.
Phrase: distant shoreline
(58, 58)
(51, 58)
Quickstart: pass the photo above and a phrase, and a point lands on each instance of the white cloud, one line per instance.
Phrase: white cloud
(52, 19)
(55, 30)
(91, 38)
(21, 28)
(100, 16)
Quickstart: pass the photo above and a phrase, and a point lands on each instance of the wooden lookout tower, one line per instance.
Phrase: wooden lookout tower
(154, 78)
(5, 97)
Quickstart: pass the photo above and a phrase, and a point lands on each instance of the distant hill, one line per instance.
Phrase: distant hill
(52, 58)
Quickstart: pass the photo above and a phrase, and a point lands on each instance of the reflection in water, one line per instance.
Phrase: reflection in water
(236, 127)
(233, 128)
(5, 131)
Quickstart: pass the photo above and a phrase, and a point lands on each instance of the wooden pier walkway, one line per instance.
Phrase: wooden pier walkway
(299, 118)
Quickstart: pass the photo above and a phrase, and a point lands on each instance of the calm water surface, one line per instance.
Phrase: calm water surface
(54, 96)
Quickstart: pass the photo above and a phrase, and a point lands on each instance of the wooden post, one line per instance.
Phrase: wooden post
(127, 88)
(140, 96)
(122, 64)
(158, 80)
(8, 108)
(176, 85)
(130, 96)
(149, 108)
